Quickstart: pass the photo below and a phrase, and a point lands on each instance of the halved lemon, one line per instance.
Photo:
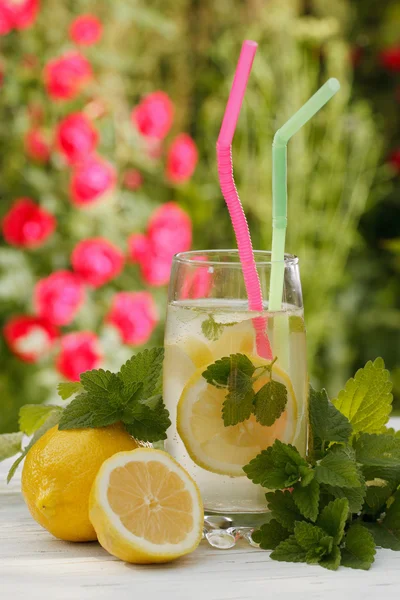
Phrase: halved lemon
(226, 450)
(145, 508)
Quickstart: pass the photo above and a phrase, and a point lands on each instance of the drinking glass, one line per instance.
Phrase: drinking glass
(208, 319)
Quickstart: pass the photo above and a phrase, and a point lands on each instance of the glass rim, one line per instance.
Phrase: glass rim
(189, 258)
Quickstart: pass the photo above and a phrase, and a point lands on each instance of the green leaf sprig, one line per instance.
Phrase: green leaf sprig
(237, 374)
(133, 396)
(334, 506)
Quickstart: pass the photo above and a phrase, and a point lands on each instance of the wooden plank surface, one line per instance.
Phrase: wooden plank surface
(33, 565)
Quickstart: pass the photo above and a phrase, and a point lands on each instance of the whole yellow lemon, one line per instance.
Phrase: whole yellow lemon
(58, 474)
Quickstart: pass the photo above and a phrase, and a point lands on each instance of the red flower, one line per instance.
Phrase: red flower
(97, 261)
(27, 225)
(19, 14)
(92, 179)
(394, 159)
(30, 338)
(134, 314)
(182, 159)
(80, 352)
(153, 116)
(76, 137)
(390, 58)
(66, 75)
(133, 179)
(37, 146)
(86, 30)
(169, 231)
(58, 297)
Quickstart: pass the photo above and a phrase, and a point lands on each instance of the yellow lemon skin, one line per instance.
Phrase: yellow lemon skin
(58, 474)
(118, 544)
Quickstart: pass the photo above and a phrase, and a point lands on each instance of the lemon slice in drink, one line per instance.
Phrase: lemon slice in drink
(225, 450)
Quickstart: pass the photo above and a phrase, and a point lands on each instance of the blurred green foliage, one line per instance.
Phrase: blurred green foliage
(189, 49)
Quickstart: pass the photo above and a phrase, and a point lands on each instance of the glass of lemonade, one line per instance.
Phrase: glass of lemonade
(208, 319)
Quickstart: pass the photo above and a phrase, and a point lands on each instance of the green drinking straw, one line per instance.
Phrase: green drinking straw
(279, 185)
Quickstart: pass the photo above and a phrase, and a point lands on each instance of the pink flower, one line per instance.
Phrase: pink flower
(17, 14)
(153, 116)
(27, 225)
(133, 179)
(169, 231)
(59, 297)
(30, 338)
(134, 314)
(36, 145)
(76, 137)
(91, 180)
(390, 58)
(86, 30)
(198, 282)
(80, 351)
(182, 159)
(97, 261)
(66, 75)
(394, 159)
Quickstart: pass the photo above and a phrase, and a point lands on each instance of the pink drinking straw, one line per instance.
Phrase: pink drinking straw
(230, 194)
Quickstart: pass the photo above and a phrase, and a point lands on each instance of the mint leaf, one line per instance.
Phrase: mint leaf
(66, 389)
(145, 368)
(219, 373)
(328, 424)
(332, 560)
(289, 551)
(377, 495)
(296, 324)
(310, 536)
(277, 467)
(10, 444)
(96, 382)
(283, 508)
(270, 402)
(307, 499)
(392, 517)
(89, 411)
(213, 330)
(383, 537)
(237, 407)
(333, 519)
(354, 496)
(146, 424)
(339, 468)
(379, 454)
(32, 416)
(50, 422)
(270, 535)
(359, 549)
(366, 400)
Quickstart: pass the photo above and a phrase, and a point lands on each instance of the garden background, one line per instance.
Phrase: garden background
(108, 126)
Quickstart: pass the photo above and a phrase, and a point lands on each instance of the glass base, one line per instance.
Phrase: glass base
(223, 531)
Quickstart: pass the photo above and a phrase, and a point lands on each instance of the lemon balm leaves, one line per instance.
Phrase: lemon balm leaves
(359, 548)
(213, 330)
(66, 389)
(339, 468)
(283, 508)
(270, 535)
(270, 402)
(131, 396)
(379, 455)
(277, 467)
(366, 399)
(10, 444)
(307, 499)
(333, 518)
(327, 422)
(224, 371)
(33, 416)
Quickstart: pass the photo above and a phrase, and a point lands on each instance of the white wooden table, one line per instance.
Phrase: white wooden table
(34, 565)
